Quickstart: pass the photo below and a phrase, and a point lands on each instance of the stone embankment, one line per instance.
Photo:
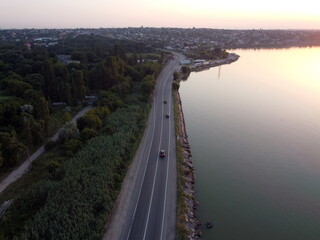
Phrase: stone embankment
(187, 177)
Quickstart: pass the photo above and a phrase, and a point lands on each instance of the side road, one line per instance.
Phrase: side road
(17, 173)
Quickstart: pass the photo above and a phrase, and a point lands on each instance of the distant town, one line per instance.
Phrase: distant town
(179, 39)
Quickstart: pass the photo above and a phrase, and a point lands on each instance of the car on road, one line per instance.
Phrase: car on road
(162, 153)
(164, 101)
(167, 115)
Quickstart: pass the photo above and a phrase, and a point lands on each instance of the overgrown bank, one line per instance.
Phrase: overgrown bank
(187, 222)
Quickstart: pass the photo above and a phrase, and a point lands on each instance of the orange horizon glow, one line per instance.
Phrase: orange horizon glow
(245, 14)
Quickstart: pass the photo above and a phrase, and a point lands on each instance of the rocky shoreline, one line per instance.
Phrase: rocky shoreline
(190, 220)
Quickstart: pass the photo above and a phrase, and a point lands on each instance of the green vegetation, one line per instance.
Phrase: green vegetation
(35, 82)
(175, 75)
(175, 85)
(185, 72)
(70, 190)
(185, 69)
(181, 230)
(74, 200)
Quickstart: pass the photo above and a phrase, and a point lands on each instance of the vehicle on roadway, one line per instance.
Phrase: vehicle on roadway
(167, 115)
(164, 101)
(162, 153)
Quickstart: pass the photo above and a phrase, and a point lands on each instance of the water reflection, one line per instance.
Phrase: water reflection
(255, 138)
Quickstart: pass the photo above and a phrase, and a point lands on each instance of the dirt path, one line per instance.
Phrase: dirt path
(23, 168)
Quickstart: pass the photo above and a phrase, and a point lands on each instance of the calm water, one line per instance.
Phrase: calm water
(254, 129)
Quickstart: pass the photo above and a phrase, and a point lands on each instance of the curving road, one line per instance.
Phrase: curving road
(147, 207)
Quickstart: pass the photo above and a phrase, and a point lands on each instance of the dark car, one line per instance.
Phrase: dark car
(167, 115)
(164, 101)
(162, 153)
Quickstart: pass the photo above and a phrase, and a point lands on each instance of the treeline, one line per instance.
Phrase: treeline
(95, 46)
(33, 80)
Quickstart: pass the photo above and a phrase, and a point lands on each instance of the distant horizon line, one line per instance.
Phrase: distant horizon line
(69, 28)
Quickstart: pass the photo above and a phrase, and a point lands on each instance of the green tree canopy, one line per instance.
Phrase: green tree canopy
(68, 131)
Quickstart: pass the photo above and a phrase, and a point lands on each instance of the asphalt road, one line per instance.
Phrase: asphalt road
(146, 207)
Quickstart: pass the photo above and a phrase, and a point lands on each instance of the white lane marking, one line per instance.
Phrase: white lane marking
(145, 168)
(167, 173)
(156, 171)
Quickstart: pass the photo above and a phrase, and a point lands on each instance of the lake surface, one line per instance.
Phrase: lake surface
(254, 130)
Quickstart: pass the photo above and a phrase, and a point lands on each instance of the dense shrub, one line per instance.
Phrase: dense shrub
(175, 85)
(68, 131)
(76, 207)
(70, 147)
(94, 119)
(87, 133)
(50, 145)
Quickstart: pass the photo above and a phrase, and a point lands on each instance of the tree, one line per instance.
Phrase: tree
(14, 87)
(66, 117)
(11, 148)
(148, 84)
(175, 75)
(175, 85)
(99, 77)
(118, 51)
(50, 84)
(110, 99)
(185, 69)
(71, 146)
(89, 120)
(79, 55)
(87, 133)
(116, 67)
(1, 158)
(68, 131)
(42, 112)
(133, 73)
(26, 133)
(78, 86)
(67, 93)
(32, 96)
(36, 80)
(62, 82)
(9, 112)
(37, 128)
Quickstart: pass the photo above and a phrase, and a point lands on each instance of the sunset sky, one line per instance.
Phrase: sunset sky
(232, 14)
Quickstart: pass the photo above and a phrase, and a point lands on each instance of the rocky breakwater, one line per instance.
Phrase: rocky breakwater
(187, 218)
